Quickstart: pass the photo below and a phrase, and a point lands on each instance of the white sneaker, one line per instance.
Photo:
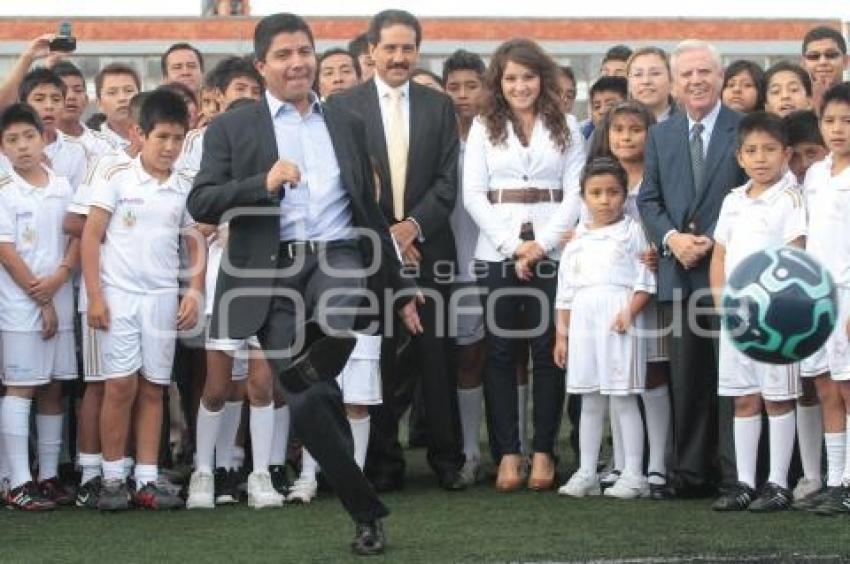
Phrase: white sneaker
(470, 471)
(581, 484)
(303, 490)
(261, 493)
(806, 487)
(201, 491)
(628, 486)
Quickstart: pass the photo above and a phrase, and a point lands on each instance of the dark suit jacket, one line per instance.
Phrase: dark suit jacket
(431, 189)
(667, 198)
(239, 150)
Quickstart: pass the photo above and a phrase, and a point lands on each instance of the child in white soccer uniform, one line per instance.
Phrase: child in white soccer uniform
(36, 308)
(766, 212)
(138, 211)
(603, 286)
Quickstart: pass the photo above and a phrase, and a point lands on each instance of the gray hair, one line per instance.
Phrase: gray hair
(694, 45)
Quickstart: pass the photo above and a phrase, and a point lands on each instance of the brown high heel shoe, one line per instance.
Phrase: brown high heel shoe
(509, 478)
(542, 476)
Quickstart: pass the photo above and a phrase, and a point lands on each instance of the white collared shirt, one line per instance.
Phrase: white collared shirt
(68, 157)
(746, 224)
(97, 144)
(511, 165)
(607, 256)
(31, 218)
(189, 161)
(113, 137)
(384, 102)
(140, 251)
(828, 200)
(708, 123)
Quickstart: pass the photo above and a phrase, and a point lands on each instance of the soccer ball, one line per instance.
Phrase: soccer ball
(779, 305)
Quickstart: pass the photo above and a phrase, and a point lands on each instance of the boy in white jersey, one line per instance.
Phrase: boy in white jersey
(115, 85)
(827, 191)
(766, 212)
(36, 308)
(138, 211)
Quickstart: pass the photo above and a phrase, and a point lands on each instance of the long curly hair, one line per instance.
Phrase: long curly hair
(497, 112)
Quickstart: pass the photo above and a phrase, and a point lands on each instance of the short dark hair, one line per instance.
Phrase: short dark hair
(163, 106)
(387, 18)
(610, 84)
(229, 69)
(270, 26)
(823, 32)
(601, 166)
(788, 66)
(182, 46)
(113, 69)
(463, 60)
(20, 113)
(617, 53)
(567, 71)
(425, 72)
(359, 45)
(67, 68)
(37, 77)
(96, 120)
(756, 73)
(340, 51)
(763, 122)
(839, 93)
(802, 127)
(135, 107)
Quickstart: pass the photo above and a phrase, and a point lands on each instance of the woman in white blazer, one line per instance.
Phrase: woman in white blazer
(521, 187)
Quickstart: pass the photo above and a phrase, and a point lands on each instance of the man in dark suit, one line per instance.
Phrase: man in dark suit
(295, 182)
(412, 133)
(690, 167)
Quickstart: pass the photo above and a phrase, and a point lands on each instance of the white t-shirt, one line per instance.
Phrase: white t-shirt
(31, 218)
(746, 224)
(140, 251)
(607, 256)
(828, 201)
(69, 158)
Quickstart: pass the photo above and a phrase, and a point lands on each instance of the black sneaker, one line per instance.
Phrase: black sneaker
(610, 479)
(225, 486)
(26, 497)
(88, 493)
(835, 502)
(154, 496)
(811, 501)
(659, 491)
(772, 497)
(114, 496)
(55, 491)
(736, 498)
(280, 481)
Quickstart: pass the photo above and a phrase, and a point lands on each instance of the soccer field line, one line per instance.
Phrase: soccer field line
(754, 558)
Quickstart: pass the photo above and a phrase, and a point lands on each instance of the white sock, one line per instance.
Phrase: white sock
(616, 437)
(810, 439)
(15, 424)
(145, 474)
(4, 461)
(309, 466)
(747, 433)
(522, 402)
(593, 407)
(237, 457)
(90, 465)
(129, 464)
(360, 433)
(207, 430)
(656, 403)
(113, 469)
(782, 431)
(845, 479)
(262, 427)
(225, 443)
(49, 430)
(470, 402)
(627, 414)
(835, 449)
(280, 436)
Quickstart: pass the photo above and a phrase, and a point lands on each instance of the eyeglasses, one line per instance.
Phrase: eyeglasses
(817, 55)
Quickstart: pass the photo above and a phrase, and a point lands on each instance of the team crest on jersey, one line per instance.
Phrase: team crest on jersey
(129, 218)
(28, 236)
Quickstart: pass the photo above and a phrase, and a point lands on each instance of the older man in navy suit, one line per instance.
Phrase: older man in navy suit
(690, 167)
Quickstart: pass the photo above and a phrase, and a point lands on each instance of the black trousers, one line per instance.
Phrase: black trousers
(429, 357)
(506, 294)
(317, 413)
(703, 442)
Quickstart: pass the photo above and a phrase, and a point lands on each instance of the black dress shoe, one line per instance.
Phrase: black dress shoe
(369, 539)
(384, 483)
(451, 481)
(323, 360)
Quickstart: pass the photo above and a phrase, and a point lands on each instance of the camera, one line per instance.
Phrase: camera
(64, 40)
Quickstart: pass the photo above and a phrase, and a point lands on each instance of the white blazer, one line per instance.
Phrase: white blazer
(510, 165)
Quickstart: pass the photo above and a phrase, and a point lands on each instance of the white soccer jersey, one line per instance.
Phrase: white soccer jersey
(828, 201)
(69, 158)
(97, 144)
(746, 225)
(189, 161)
(140, 251)
(113, 137)
(31, 218)
(608, 256)
(82, 195)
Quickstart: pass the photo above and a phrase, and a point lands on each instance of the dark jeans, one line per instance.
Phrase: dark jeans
(506, 294)
(317, 413)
